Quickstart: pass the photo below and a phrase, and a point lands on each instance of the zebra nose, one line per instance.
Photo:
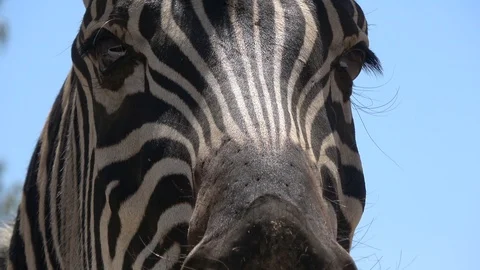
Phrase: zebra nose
(272, 235)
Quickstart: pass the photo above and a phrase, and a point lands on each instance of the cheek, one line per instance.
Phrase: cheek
(333, 224)
(344, 83)
(353, 211)
(342, 106)
(132, 84)
(117, 78)
(347, 112)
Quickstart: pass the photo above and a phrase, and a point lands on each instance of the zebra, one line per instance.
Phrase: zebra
(197, 134)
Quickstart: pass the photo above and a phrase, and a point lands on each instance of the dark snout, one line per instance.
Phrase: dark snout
(271, 235)
(262, 210)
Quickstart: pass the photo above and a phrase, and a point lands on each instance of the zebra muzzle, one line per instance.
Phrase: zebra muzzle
(272, 234)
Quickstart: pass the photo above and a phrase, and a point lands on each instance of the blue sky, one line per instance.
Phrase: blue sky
(422, 214)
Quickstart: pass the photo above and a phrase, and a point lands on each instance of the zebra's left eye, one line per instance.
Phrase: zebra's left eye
(109, 53)
(352, 62)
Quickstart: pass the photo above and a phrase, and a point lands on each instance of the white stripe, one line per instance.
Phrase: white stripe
(182, 41)
(108, 11)
(173, 216)
(42, 181)
(348, 157)
(318, 102)
(277, 62)
(337, 97)
(92, 142)
(132, 144)
(81, 165)
(104, 219)
(112, 100)
(355, 11)
(93, 9)
(176, 102)
(216, 43)
(26, 232)
(163, 69)
(313, 111)
(311, 34)
(261, 75)
(253, 91)
(92, 221)
(71, 225)
(351, 207)
(352, 210)
(132, 211)
(167, 262)
(52, 189)
(336, 26)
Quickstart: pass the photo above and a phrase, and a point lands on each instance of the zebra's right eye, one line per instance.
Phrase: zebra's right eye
(109, 53)
(352, 62)
(107, 49)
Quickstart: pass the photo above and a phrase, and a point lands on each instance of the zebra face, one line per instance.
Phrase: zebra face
(222, 131)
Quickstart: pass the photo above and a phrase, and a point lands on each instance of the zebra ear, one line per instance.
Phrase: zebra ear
(86, 3)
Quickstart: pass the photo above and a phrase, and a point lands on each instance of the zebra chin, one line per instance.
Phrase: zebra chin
(262, 211)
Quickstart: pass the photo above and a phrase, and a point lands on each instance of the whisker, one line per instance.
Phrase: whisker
(375, 143)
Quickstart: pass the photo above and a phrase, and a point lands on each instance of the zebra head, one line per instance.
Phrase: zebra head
(201, 134)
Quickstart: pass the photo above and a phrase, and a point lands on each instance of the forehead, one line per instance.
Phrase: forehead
(349, 12)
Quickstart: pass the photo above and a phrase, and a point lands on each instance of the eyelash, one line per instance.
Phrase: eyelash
(371, 62)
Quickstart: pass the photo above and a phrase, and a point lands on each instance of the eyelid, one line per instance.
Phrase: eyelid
(89, 43)
(360, 47)
(371, 63)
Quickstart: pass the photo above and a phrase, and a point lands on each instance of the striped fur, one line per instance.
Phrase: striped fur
(113, 181)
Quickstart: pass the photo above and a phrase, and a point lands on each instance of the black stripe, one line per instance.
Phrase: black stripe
(330, 193)
(266, 28)
(317, 58)
(89, 216)
(135, 111)
(30, 199)
(130, 173)
(353, 183)
(87, 17)
(199, 39)
(217, 13)
(100, 8)
(53, 142)
(84, 135)
(361, 17)
(295, 29)
(345, 13)
(62, 152)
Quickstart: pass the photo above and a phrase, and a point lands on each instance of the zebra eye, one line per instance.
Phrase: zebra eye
(352, 62)
(109, 53)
